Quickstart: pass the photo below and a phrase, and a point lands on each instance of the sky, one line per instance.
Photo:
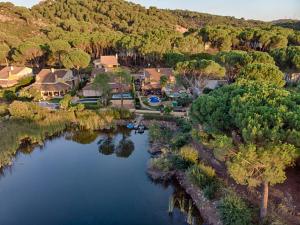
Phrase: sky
(249, 9)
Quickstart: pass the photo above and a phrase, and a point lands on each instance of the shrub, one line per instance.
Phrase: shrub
(184, 125)
(65, 103)
(197, 177)
(179, 163)
(180, 140)
(189, 153)
(3, 109)
(234, 211)
(204, 177)
(26, 110)
(162, 164)
(207, 170)
(210, 190)
(9, 95)
(160, 134)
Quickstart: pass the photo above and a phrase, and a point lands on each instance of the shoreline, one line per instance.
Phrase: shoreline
(206, 208)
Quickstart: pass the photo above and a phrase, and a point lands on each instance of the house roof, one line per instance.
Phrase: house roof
(89, 87)
(113, 86)
(52, 87)
(97, 71)
(155, 73)
(108, 60)
(14, 70)
(8, 83)
(48, 76)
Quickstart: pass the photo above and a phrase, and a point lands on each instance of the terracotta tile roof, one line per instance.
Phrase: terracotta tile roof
(108, 60)
(47, 76)
(4, 73)
(154, 74)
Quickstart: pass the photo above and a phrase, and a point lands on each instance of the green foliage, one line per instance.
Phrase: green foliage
(76, 59)
(263, 73)
(287, 58)
(189, 153)
(26, 110)
(159, 134)
(163, 81)
(261, 113)
(65, 103)
(255, 165)
(9, 95)
(179, 140)
(207, 170)
(204, 177)
(222, 146)
(234, 211)
(179, 163)
(3, 109)
(161, 163)
(101, 84)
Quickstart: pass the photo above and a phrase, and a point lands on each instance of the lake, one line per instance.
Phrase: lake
(89, 178)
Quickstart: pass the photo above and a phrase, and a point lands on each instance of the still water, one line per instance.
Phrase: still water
(83, 178)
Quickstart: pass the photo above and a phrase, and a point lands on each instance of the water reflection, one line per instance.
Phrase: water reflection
(82, 137)
(52, 171)
(180, 201)
(110, 143)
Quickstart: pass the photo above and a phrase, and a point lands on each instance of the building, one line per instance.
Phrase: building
(152, 78)
(91, 91)
(11, 75)
(292, 78)
(55, 83)
(107, 63)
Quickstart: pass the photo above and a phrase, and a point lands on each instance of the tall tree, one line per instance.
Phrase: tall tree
(59, 48)
(267, 118)
(196, 73)
(256, 166)
(123, 78)
(28, 52)
(101, 84)
(76, 59)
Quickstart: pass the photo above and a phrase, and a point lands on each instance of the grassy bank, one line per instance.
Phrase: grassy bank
(31, 124)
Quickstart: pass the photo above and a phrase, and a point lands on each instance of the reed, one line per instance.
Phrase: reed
(30, 124)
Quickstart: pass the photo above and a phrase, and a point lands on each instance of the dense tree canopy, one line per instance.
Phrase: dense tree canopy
(259, 112)
(140, 36)
(263, 73)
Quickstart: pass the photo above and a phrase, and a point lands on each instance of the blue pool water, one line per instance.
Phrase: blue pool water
(154, 99)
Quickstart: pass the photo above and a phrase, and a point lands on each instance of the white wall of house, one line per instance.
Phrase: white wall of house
(91, 93)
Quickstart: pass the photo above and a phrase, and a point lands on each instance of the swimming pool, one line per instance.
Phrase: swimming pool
(154, 100)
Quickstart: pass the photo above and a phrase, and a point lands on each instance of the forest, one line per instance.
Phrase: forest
(48, 32)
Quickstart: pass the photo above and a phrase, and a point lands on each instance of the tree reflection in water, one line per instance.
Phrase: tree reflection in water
(109, 144)
(82, 137)
(181, 201)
